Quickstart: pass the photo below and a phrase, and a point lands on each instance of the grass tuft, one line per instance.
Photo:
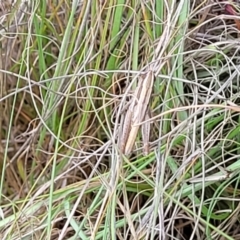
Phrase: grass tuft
(69, 71)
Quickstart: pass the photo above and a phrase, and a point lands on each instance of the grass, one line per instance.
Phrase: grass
(68, 70)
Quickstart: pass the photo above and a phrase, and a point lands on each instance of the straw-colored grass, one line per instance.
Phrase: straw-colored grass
(68, 71)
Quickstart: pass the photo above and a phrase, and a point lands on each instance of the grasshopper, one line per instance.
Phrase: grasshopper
(136, 113)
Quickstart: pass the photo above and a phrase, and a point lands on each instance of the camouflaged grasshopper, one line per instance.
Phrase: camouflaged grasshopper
(137, 113)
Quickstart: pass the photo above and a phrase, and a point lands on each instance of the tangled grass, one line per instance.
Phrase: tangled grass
(68, 69)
